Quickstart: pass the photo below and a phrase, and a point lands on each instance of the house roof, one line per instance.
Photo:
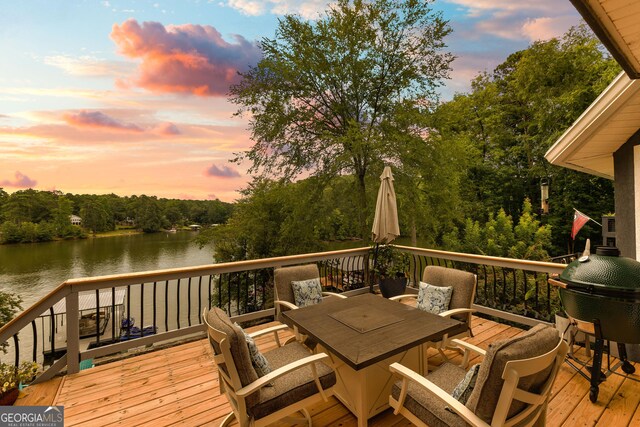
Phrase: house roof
(615, 22)
(588, 145)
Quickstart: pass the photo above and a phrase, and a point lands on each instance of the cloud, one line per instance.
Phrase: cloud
(190, 59)
(547, 27)
(506, 19)
(222, 172)
(88, 66)
(21, 181)
(212, 197)
(167, 128)
(308, 9)
(97, 119)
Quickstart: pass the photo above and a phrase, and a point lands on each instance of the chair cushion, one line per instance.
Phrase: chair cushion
(219, 320)
(307, 292)
(464, 388)
(426, 405)
(292, 387)
(259, 362)
(537, 341)
(434, 299)
(463, 284)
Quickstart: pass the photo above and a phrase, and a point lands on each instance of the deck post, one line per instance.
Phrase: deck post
(73, 333)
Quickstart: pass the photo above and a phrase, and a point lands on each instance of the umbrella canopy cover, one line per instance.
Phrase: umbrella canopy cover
(385, 222)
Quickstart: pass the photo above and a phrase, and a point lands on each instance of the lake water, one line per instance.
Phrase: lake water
(32, 270)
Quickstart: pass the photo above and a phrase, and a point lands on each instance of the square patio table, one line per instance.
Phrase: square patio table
(363, 335)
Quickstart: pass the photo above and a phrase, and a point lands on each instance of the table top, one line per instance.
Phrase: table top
(365, 329)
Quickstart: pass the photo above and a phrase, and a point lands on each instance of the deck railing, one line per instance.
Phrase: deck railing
(169, 302)
(511, 289)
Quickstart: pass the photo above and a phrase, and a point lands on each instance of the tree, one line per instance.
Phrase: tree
(513, 115)
(62, 217)
(96, 216)
(10, 304)
(528, 239)
(148, 215)
(327, 94)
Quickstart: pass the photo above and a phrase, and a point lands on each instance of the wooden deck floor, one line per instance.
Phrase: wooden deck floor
(179, 385)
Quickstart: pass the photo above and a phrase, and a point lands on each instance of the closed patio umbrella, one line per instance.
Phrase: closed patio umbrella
(385, 221)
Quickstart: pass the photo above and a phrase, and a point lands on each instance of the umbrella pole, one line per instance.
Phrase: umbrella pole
(375, 260)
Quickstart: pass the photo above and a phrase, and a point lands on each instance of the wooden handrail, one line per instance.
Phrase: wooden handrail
(518, 264)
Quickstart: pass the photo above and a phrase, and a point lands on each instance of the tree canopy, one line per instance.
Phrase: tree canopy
(331, 96)
(513, 115)
(33, 216)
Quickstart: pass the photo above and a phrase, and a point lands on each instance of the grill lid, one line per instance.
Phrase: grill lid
(605, 272)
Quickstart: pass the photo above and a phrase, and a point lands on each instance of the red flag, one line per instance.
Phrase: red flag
(579, 219)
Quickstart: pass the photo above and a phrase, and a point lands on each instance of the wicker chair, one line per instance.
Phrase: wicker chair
(298, 379)
(512, 387)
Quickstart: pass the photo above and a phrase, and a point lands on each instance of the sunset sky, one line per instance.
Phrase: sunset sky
(128, 97)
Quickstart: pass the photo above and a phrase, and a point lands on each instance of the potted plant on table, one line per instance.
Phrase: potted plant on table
(390, 267)
(11, 377)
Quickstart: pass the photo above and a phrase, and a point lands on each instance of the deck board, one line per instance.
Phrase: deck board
(179, 386)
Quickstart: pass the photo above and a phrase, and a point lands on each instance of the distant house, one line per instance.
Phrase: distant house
(75, 220)
(194, 227)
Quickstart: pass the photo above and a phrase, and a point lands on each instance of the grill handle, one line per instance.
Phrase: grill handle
(557, 283)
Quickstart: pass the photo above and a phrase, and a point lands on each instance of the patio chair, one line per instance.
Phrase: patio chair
(284, 293)
(297, 379)
(512, 386)
(463, 284)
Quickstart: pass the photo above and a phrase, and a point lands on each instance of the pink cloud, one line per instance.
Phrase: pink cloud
(21, 181)
(167, 128)
(212, 197)
(192, 59)
(547, 27)
(222, 172)
(98, 119)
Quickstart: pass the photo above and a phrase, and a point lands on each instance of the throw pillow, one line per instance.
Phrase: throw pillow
(259, 362)
(463, 390)
(307, 292)
(434, 299)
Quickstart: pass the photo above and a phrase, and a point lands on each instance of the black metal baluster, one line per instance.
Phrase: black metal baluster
(504, 289)
(113, 313)
(229, 294)
(35, 340)
(548, 296)
(495, 285)
(515, 284)
(17, 345)
(526, 285)
(535, 299)
(238, 282)
(220, 290)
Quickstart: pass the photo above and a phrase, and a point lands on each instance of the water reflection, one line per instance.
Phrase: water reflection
(32, 270)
